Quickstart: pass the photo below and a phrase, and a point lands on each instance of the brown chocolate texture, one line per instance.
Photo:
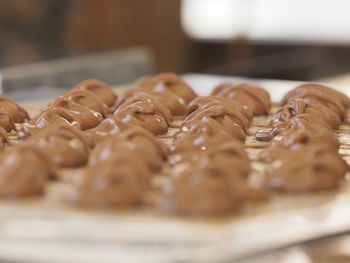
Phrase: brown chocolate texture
(145, 111)
(65, 145)
(11, 113)
(25, 171)
(255, 98)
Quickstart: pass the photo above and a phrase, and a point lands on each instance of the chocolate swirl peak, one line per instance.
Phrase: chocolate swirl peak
(65, 145)
(232, 116)
(333, 99)
(297, 106)
(45, 119)
(11, 113)
(314, 168)
(87, 99)
(86, 117)
(174, 103)
(145, 111)
(255, 98)
(24, 171)
(99, 89)
(169, 83)
(303, 128)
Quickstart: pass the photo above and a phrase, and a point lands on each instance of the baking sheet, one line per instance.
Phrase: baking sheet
(45, 230)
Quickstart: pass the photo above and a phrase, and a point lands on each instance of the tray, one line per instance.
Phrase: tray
(46, 230)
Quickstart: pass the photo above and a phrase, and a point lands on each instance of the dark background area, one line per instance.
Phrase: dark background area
(36, 30)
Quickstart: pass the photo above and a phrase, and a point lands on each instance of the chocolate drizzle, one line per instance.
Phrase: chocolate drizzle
(304, 156)
(232, 116)
(145, 111)
(169, 83)
(255, 98)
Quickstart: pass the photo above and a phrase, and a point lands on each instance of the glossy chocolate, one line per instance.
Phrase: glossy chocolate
(136, 144)
(24, 171)
(255, 98)
(116, 183)
(143, 110)
(99, 89)
(46, 118)
(232, 116)
(331, 98)
(11, 113)
(214, 183)
(167, 82)
(65, 145)
(309, 106)
(304, 167)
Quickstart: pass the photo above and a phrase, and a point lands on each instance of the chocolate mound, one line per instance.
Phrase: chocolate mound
(143, 110)
(304, 167)
(135, 144)
(24, 171)
(214, 183)
(45, 119)
(167, 82)
(317, 110)
(255, 98)
(229, 114)
(11, 113)
(99, 89)
(120, 182)
(333, 99)
(65, 145)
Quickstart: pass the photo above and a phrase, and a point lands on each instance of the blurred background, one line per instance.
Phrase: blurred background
(60, 42)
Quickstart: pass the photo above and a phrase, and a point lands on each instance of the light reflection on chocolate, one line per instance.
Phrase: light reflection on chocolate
(45, 119)
(107, 128)
(202, 135)
(86, 117)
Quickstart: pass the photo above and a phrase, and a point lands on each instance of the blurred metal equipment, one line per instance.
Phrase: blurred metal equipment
(311, 21)
(47, 78)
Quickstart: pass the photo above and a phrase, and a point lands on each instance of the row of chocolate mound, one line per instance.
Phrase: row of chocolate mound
(302, 155)
(69, 131)
(112, 139)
